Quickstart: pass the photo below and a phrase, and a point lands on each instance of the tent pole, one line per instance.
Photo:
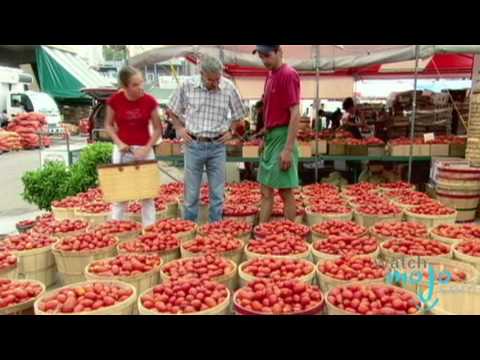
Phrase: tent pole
(317, 107)
(414, 114)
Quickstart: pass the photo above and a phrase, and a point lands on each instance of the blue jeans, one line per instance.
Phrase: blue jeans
(198, 156)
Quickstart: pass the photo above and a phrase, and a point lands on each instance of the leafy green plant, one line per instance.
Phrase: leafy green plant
(84, 172)
(47, 184)
(55, 180)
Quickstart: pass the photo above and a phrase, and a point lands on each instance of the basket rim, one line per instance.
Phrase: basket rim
(221, 278)
(356, 283)
(328, 277)
(25, 304)
(223, 304)
(317, 253)
(121, 277)
(244, 275)
(305, 254)
(431, 217)
(84, 253)
(222, 254)
(314, 310)
(388, 252)
(83, 283)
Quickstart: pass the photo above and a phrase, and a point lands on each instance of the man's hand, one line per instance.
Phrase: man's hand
(225, 137)
(286, 160)
(184, 135)
(141, 153)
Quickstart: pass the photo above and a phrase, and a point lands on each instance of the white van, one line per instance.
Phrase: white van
(16, 98)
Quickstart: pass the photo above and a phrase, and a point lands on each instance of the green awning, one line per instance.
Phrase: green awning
(63, 74)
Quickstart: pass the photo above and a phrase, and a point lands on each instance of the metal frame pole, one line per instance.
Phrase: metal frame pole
(414, 113)
(317, 107)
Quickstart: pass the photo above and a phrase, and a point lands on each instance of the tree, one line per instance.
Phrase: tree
(115, 52)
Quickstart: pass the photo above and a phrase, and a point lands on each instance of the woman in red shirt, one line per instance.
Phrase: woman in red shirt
(129, 115)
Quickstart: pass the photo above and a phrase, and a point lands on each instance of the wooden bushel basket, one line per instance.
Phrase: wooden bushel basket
(129, 182)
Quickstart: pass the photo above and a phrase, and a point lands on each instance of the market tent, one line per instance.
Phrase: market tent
(63, 74)
(307, 58)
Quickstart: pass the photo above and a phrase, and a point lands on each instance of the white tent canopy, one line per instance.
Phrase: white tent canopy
(303, 57)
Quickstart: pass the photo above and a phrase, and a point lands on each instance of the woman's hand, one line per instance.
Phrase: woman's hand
(286, 160)
(124, 148)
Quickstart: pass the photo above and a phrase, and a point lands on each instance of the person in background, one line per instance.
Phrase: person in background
(350, 120)
(334, 118)
(279, 158)
(259, 123)
(129, 113)
(204, 103)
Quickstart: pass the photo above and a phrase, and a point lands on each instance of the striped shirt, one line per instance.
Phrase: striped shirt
(207, 113)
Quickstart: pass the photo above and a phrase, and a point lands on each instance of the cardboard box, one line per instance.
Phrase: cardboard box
(250, 151)
(163, 149)
(421, 150)
(458, 150)
(305, 150)
(376, 150)
(399, 150)
(322, 147)
(439, 149)
(336, 149)
(177, 149)
(357, 150)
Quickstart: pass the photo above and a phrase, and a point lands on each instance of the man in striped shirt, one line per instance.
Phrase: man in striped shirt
(205, 110)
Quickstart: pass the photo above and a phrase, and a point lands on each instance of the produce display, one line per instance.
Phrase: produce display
(399, 185)
(207, 267)
(10, 141)
(327, 208)
(379, 209)
(234, 209)
(213, 244)
(280, 227)
(400, 229)
(414, 246)
(278, 245)
(70, 202)
(125, 265)
(339, 228)
(27, 125)
(374, 300)
(353, 269)
(92, 195)
(244, 187)
(469, 247)
(361, 187)
(279, 209)
(27, 241)
(171, 227)
(413, 198)
(17, 292)
(175, 189)
(458, 232)
(96, 208)
(226, 227)
(265, 297)
(86, 242)
(368, 198)
(151, 242)
(86, 298)
(432, 208)
(113, 227)
(347, 245)
(60, 227)
(329, 200)
(320, 189)
(7, 260)
(26, 223)
(277, 269)
(185, 297)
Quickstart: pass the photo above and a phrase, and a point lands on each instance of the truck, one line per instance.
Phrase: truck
(16, 97)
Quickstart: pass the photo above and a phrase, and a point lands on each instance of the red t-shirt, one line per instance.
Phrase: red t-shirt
(282, 91)
(133, 117)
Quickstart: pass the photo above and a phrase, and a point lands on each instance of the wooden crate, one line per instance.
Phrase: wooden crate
(376, 150)
(399, 150)
(129, 182)
(458, 150)
(421, 150)
(439, 149)
(163, 149)
(322, 147)
(357, 150)
(336, 149)
(305, 150)
(250, 151)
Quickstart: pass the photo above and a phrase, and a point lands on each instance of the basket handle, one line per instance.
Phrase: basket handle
(122, 157)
